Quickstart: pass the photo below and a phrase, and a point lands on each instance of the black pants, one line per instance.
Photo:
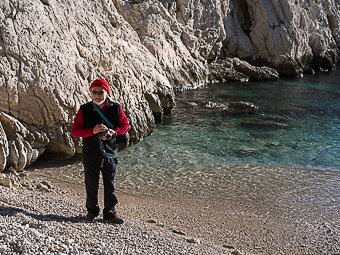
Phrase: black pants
(92, 168)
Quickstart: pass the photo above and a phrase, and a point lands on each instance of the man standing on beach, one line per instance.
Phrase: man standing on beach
(99, 122)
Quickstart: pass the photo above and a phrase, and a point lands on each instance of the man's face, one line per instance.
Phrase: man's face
(99, 95)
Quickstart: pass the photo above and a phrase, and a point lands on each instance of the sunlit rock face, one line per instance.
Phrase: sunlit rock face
(50, 52)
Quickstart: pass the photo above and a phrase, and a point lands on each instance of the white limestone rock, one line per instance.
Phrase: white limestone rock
(238, 70)
(167, 40)
(4, 151)
(50, 52)
(23, 147)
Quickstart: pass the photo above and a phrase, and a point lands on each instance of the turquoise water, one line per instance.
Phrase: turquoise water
(208, 152)
(308, 107)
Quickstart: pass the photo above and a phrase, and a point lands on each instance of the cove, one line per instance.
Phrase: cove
(304, 128)
(204, 153)
(207, 152)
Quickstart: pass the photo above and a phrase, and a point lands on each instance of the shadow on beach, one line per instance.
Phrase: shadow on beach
(12, 211)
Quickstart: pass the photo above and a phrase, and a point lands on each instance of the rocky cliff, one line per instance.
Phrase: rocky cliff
(51, 50)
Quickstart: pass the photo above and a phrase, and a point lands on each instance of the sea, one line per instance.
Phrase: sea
(204, 151)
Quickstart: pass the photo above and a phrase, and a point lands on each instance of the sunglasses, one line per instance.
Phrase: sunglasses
(97, 92)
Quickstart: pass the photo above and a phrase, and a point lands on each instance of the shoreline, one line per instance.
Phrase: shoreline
(222, 226)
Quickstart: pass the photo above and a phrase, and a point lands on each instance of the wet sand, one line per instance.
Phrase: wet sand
(250, 226)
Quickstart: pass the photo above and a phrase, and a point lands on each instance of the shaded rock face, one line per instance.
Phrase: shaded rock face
(290, 36)
(50, 51)
(19, 146)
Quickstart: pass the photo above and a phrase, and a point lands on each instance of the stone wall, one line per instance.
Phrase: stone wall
(51, 50)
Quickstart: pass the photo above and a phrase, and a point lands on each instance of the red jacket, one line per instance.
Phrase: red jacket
(78, 129)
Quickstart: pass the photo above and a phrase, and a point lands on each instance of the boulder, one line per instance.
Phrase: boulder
(23, 147)
(255, 73)
(5, 180)
(223, 70)
(155, 105)
(235, 69)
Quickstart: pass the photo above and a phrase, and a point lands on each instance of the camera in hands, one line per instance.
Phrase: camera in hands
(105, 133)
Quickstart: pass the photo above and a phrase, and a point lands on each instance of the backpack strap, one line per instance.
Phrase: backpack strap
(102, 115)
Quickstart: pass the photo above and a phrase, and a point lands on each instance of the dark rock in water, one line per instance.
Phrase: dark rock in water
(262, 123)
(241, 108)
(278, 118)
(233, 108)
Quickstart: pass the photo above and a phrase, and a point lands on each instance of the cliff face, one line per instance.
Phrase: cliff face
(290, 36)
(51, 50)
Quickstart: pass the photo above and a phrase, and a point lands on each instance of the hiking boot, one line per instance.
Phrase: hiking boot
(89, 217)
(114, 220)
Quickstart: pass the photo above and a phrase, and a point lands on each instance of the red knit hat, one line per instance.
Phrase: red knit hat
(100, 83)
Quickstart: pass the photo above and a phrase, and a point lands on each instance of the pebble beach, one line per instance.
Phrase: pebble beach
(50, 222)
(41, 213)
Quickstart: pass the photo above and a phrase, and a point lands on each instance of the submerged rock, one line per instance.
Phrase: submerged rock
(278, 118)
(262, 123)
(241, 108)
(233, 108)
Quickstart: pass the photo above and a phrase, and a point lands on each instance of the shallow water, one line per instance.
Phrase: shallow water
(203, 151)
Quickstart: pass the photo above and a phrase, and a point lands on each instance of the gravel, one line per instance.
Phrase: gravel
(50, 222)
(41, 213)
